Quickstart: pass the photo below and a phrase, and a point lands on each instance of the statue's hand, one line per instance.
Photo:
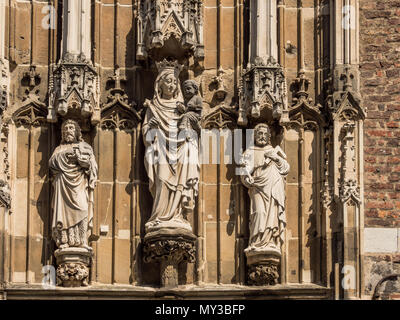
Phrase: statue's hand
(153, 123)
(181, 107)
(193, 118)
(272, 155)
(249, 180)
(84, 161)
(72, 157)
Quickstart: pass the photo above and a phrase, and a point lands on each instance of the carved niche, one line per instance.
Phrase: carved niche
(161, 20)
(74, 90)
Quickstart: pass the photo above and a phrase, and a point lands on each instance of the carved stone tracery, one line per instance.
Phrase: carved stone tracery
(118, 112)
(32, 112)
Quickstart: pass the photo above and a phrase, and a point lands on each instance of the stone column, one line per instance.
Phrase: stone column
(76, 27)
(263, 30)
(348, 115)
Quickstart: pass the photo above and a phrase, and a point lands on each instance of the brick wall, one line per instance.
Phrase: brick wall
(380, 88)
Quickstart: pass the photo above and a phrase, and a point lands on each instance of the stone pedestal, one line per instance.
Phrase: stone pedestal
(263, 267)
(73, 266)
(169, 247)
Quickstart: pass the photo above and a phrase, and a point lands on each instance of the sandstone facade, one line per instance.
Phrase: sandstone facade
(322, 74)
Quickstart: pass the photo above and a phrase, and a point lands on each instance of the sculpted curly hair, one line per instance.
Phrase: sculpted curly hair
(193, 83)
(78, 132)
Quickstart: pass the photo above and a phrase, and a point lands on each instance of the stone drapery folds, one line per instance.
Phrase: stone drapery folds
(74, 170)
(265, 169)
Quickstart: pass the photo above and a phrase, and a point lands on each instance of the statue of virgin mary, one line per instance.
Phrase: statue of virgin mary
(172, 159)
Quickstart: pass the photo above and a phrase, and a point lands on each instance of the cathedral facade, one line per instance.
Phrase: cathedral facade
(199, 148)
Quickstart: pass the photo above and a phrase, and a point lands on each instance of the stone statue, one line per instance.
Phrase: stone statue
(172, 164)
(172, 160)
(191, 110)
(75, 173)
(265, 169)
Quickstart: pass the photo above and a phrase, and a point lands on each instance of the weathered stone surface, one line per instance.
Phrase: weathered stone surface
(220, 219)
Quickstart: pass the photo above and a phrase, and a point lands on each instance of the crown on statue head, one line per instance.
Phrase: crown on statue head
(172, 65)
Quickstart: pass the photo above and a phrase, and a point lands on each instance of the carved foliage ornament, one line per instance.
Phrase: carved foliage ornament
(4, 79)
(75, 274)
(349, 190)
(177, 250)
(5, 199)
(265, 274)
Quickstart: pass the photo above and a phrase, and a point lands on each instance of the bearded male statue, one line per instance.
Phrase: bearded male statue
(74, 168)
(265, 170)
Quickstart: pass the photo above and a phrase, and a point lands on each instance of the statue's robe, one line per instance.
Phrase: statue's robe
(267, 196)
(73, 187)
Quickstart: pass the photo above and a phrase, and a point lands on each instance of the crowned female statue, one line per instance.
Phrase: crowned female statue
(171, 160)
